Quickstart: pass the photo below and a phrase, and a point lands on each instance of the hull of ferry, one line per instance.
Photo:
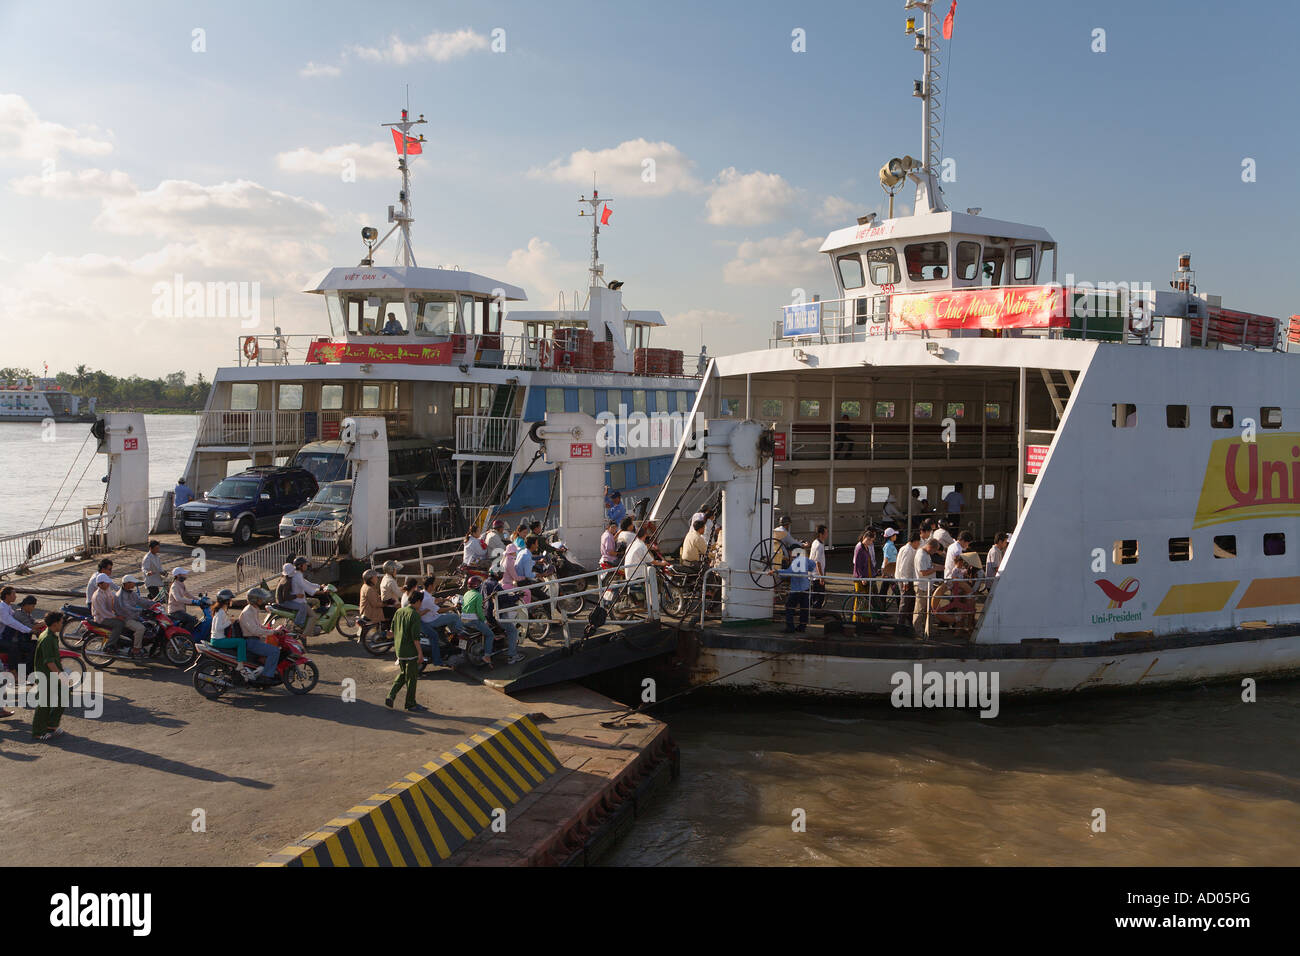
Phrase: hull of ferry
(857, 673)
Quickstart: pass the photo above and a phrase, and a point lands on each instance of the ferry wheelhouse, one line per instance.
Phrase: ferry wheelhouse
(1141, 445)
(458, 375)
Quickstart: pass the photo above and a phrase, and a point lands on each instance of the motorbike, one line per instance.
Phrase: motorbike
(337, 616)
(163, 638)
(216, 672)
(69, 660)
(570, 601)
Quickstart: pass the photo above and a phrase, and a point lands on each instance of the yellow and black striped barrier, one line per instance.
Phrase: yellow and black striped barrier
(428, 815)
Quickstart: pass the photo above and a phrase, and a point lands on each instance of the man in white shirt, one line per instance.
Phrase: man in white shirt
(299, 588)
(993, 563)
(905, 569)
(955, 551)
(254, 632)
(152, 569)
(925, 571)
(106, 570)
(817, 557)
(938, 532)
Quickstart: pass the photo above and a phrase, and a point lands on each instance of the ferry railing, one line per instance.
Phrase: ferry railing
(266, 562)
(241, 428)
(27, 549)
(624, 600)
(430, 557)
(849, 600)
(274, 349)
(160, 514)
(482, 434)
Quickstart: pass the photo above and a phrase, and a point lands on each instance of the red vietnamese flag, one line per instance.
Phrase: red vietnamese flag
(947, 21)
(413, 147)
(605, 214)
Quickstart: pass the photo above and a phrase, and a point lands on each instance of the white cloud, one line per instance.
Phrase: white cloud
(182, 206)
(748, 199)
(539, 269)
(84, 184)
(836, 209)
(438, 47)
(313, 69)
(791, 258)
(24, 135)
(376, 161)
(634, 167)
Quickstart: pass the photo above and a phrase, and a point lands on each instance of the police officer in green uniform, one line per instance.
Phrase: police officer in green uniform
(406, 644)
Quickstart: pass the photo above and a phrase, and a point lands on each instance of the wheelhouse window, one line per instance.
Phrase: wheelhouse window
(991, 271)
(773, 408)
(460, 398)
(331, 397)
(926, 261)
(613, 399)
(968, 260)
(683, 402)
(638, 400)
(369, 396)
(882, 265)
(1023, 264)
(435, 313)
(587, 401)
(555, 399)
(850, 271)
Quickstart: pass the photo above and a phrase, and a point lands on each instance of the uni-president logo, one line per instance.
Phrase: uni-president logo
(1244, 480)
(1119, 594)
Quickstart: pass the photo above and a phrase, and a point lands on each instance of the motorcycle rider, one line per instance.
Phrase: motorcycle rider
(251, 626)
(222, 634)
(493, 602)
(372, 603)
(474, 553)
(179, 598)
(299, 587)
(495, 539)
(390, 589)
(131, 604)
(471, 613)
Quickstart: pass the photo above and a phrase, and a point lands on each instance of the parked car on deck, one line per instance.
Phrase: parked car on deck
(332, 504)
(251, 502)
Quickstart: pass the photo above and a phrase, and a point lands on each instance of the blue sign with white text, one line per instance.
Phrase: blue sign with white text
(802, 319)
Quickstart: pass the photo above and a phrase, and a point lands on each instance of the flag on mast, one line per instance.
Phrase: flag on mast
(605, 213)
(947, 21)
(413, 147)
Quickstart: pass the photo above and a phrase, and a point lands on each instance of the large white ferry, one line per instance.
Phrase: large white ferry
(1142, 446)
(456, 373)
(42, 399)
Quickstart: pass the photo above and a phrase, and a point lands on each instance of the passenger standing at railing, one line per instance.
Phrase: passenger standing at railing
(864, 569)
(614, 507)
(609, 546)
(152, 569)
(924, 570)
(817, 555)
(905, 571)
(843, 438)
(993, 563)
(797, 597)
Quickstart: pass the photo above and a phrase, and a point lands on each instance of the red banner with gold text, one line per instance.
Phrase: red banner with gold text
(437, 353)
(1020, 307)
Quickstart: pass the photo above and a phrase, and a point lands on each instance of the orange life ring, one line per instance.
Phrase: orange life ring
(948, 601)
(251, 348)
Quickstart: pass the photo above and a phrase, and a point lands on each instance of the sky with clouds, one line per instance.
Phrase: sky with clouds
(240, 142)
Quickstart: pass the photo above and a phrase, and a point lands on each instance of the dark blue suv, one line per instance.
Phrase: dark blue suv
(251, 502)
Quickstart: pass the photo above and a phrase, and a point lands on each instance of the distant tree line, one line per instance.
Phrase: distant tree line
(133, 393)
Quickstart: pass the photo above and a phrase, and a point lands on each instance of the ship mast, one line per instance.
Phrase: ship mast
(928, 194)
(596, 269)
(401, 214)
